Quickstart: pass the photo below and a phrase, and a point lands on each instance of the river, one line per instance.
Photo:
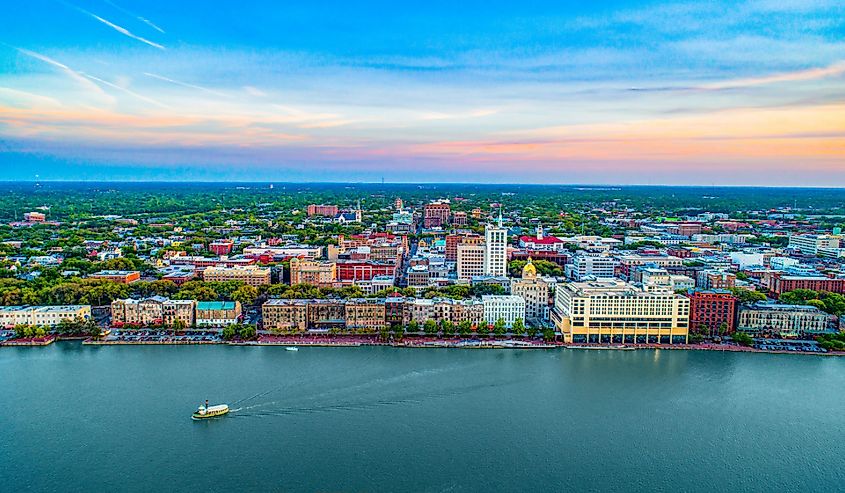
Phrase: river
(117, 418)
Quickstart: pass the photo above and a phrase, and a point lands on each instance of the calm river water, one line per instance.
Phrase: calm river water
(78, 418)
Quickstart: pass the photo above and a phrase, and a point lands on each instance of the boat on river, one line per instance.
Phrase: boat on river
(208, 412)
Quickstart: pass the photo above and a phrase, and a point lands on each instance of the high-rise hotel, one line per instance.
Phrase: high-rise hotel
(496, 249)
(612, 311)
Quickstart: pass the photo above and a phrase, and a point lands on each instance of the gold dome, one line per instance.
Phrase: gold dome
(529, 271)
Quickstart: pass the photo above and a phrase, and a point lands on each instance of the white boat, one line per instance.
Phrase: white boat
(206, 411)
(291, 348)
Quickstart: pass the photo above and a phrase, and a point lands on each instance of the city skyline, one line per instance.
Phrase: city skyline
(677, 93)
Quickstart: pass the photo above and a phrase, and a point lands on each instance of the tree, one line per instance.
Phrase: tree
(448, 328)
(742, 339)
(548, 335)
(229, 332)
(247, 332)
(464, 328)
(430, 327)
(246, 295)
(531, 331)
(483, 329)
(398, 332)
(499, 327)
(518, 327)
(178, 325)
(748, 296)
(413, 326)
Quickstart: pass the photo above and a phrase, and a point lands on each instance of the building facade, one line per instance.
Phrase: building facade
(495, 250)
(42, 316)
(784, 320)
(508, 308)
(313, 272)
(534, 291)
(250, 275)
(613, 311)
(713, 312)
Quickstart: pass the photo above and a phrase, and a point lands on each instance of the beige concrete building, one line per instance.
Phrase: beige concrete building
(313, 272)
(365, 315)
(42, 316)
(251, 275)
(470, 259)
(534, 291)
(285, 315)
(613, 311)
(153, 311)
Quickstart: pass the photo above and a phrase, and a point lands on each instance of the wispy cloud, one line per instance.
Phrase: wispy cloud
(127, 91)
(73, 74)
(133, 14)
(120, 29)
(184, 84)
(126, 32)
(832, 70)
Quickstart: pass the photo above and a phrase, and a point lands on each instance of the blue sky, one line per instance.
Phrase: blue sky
(713, 92)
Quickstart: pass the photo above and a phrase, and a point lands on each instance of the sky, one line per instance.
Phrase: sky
(739, 92)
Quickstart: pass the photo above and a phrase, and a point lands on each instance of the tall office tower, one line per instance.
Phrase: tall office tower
(496, 249)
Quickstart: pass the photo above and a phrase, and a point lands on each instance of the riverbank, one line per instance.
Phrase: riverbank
(426, 343)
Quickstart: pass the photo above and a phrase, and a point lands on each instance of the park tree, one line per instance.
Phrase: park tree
(499, 328)
(465, 328)
(518, 328)
(246, 295)
(229, 332)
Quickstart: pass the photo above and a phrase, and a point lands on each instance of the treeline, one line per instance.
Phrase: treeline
(832, 303)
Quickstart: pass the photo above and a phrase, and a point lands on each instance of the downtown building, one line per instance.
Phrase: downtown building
(42, 316)
(770, 319)
(713, 312)
(155, 310)
(613, 311)
(534, 291)
(314, 272)
(436, 214)
(508, 308)
(250, 275)
(495, 250)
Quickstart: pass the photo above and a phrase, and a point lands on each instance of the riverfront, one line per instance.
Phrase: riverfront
(376, 419)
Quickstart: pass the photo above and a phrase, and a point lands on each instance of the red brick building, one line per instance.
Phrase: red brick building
(353, 270)
(783, 284)
(322, 210)
(436, 214)
(710, 309)
(221, 247)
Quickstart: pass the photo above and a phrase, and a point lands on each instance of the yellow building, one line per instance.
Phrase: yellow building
(612, 311)
(313, 272)
(42, 316)
(250, 275)
(534, 291)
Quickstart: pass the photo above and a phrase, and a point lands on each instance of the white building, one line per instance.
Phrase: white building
(746, 260)
(42, 316)
(590, 265)
(811, 244)
(495, 250)
(506, 307)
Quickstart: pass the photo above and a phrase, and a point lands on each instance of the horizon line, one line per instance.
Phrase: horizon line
(605, 185)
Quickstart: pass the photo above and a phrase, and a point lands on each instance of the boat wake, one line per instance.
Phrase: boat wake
(256, 411)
